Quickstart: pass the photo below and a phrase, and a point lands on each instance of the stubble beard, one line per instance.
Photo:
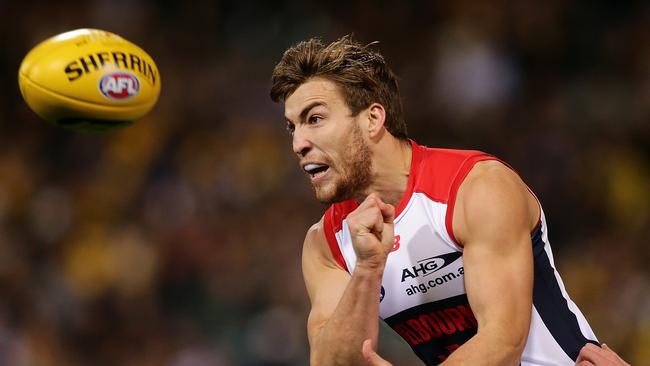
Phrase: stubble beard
(355, 171)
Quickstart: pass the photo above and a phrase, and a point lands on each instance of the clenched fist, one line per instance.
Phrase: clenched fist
(372, 230)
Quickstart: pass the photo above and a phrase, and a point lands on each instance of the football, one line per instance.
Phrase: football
(89, 80)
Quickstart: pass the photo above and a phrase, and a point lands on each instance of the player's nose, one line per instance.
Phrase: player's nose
(301, 142)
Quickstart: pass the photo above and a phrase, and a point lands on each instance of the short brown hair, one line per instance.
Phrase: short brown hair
(361, 73)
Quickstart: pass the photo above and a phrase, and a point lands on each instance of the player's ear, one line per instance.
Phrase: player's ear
(376, 120)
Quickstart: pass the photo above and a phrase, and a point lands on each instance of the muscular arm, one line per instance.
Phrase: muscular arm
(345, 309)
(493, 220)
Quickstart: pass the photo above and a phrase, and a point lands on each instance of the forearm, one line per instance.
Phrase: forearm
(355, 319)
(489, 347)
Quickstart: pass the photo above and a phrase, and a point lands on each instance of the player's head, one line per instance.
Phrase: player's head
(361, 74)
(329, 92)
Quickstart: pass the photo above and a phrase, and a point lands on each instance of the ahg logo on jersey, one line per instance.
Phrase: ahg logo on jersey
(430, 265)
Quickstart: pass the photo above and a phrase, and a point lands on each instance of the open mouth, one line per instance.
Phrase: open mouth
(315, 170)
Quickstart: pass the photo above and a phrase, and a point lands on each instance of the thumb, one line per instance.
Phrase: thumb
(371, 356)
(388, 230)
(387, 212)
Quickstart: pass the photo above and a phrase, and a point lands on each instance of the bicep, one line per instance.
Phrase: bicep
(495, 219)
(325, 281)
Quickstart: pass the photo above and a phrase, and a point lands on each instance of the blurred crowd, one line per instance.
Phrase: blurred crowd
(176, 241)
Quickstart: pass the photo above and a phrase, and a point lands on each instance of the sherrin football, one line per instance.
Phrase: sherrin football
(89, 79)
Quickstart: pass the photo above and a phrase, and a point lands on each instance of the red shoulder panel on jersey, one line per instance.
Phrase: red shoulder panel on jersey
(333, 223)
(464, 169)
(438, 170)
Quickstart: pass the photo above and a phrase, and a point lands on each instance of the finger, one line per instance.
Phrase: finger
(367, 217)
(371, 356)
(585, 363)
(372, 199)
(586, 353)
(594, 354)
(606, 353)
(376, 220)
(376, 209)
(383, 217)
(374, 216)
(614, 354)
(387, 212)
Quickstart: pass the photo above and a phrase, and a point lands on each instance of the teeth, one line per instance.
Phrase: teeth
(309, 167)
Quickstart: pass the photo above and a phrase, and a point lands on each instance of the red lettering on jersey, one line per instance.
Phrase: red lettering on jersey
(408, 334)
(458, 319)
(446, 325)
(467, 312)
(430, 325)
(417, 326)
(396, 244)
(436, 324)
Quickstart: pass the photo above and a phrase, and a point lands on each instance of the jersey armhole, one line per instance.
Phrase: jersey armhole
(461, 174)
(333, 244)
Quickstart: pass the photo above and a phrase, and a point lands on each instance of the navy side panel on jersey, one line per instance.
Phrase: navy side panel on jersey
(551, 304)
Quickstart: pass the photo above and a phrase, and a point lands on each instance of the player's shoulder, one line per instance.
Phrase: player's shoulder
(438, 171)
(316, 246)
(493, 189)
(492, 169)
(493, 175)
(316, 233)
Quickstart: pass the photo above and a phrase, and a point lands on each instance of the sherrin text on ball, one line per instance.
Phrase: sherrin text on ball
(89, 79)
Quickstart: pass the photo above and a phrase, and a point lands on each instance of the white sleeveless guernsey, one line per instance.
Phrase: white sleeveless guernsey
(423, 295)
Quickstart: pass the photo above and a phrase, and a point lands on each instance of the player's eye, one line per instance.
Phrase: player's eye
(314, 119)
(290, 128)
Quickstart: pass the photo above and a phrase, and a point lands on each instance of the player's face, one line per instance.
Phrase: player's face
(329, 141)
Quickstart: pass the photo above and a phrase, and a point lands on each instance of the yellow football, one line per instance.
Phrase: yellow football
(89, 79)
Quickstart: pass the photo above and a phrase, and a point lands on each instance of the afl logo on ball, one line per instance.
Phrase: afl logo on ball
(119, 85)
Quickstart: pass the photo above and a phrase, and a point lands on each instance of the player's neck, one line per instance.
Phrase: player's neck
(391, 166)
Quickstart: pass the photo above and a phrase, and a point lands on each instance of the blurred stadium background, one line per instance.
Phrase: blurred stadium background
(177, 241)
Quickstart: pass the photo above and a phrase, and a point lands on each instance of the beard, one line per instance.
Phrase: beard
(354, 168)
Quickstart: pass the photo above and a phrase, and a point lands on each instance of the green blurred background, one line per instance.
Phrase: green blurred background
(177, 241)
